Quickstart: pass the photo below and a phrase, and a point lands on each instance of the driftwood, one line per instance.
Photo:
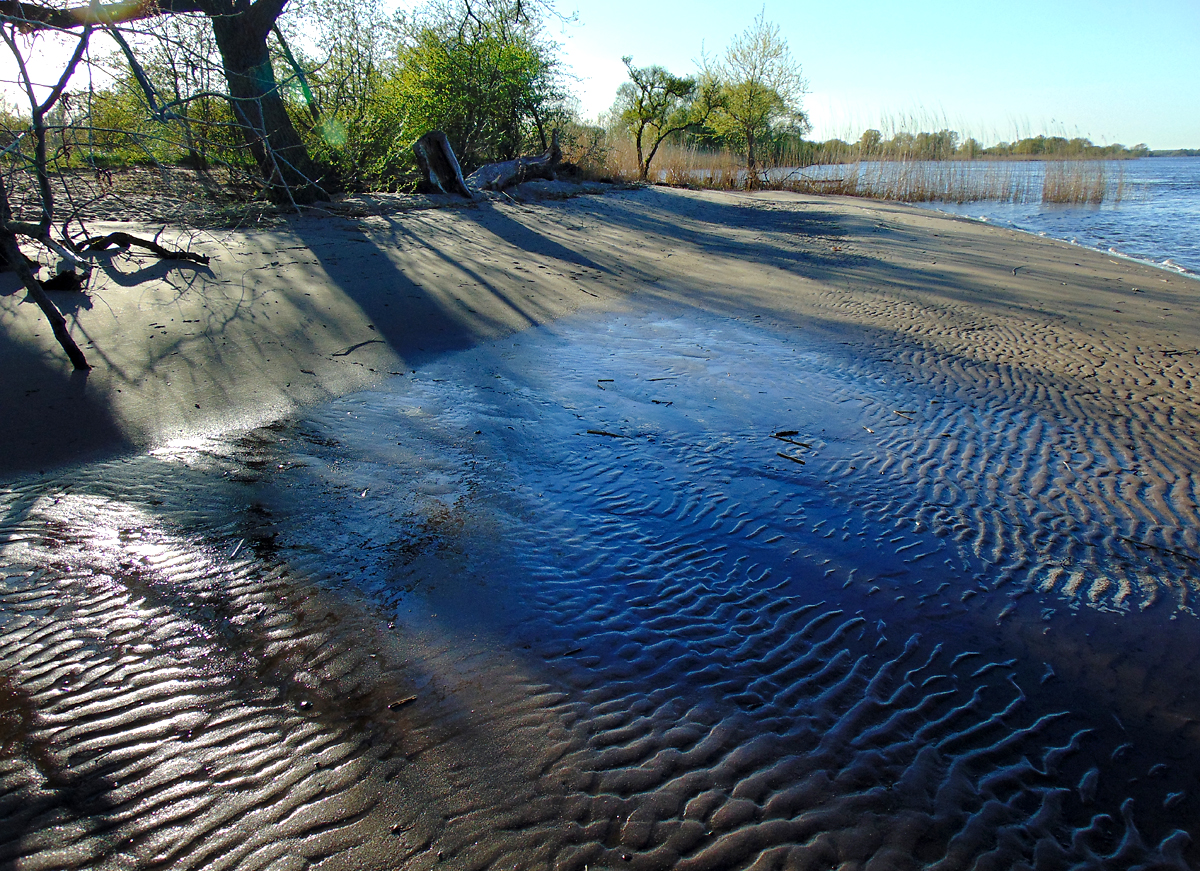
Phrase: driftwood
(498, 176)
(124, 240)
(439, 165)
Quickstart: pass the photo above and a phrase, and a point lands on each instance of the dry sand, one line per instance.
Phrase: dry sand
(697, 530)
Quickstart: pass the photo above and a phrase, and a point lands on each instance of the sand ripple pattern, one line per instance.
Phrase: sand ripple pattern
(658, 591)
(1065, 463)
(178, 698)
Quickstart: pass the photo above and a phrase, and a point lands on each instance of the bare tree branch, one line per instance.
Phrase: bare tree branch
(31, 17)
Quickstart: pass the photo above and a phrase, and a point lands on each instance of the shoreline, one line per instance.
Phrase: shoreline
(288, 317)
(1165, 265)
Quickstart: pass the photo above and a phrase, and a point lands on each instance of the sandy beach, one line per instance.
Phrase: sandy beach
(285, 318)
(650, 529)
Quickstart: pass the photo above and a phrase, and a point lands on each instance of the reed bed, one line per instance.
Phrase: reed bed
(1078, 182)
(908, 180)
(916, 181)
(1074, 182)
(679, 166)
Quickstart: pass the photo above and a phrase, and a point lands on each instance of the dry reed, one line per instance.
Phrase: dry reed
(1079, 182)
(907, 180)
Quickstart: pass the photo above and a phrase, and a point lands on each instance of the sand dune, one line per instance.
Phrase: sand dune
(659, 529)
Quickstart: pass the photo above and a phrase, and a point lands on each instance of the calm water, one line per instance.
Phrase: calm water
(1157, 220)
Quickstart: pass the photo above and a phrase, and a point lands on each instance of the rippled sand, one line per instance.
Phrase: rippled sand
(803, 552)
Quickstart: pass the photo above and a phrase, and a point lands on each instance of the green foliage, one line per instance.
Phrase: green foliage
(119, 132)
(654, 104)
(116, 125)
(748, 101)
(357, 42)
(761, 89)
(480, 72)
(485, 78)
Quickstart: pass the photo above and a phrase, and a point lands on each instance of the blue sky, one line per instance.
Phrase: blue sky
(1110, 71)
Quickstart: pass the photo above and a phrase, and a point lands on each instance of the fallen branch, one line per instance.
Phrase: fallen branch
(125, 240)
(353, 348)
(498, 176)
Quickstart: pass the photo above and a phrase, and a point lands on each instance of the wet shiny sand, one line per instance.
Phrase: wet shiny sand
(666, 587)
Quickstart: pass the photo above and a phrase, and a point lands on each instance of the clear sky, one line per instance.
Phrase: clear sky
(1110, 71)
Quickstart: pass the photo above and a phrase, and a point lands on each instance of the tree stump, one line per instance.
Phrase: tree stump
(439, 165)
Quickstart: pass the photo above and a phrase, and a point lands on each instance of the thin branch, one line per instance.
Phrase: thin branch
(58, 89)
(157, 112)
(31, 17)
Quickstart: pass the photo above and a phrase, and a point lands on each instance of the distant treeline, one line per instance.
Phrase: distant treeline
(1176, 152)
(949, 145)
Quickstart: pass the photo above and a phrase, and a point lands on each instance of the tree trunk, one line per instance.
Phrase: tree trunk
(258, 106)
(436, 158)
(751, 162)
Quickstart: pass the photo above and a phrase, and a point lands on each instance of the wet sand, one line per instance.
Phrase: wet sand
(658, 529)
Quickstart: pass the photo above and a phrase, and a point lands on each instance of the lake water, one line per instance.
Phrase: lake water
(1156, 220)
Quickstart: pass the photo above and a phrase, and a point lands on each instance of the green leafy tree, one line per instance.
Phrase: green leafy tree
(870, 141)
(654, 104)
(356, 44)
(480, 72)
(935, 146)
(762, 87)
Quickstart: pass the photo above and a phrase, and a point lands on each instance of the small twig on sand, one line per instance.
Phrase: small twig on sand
(353, 348)
(1136, 543)
(785, 435)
